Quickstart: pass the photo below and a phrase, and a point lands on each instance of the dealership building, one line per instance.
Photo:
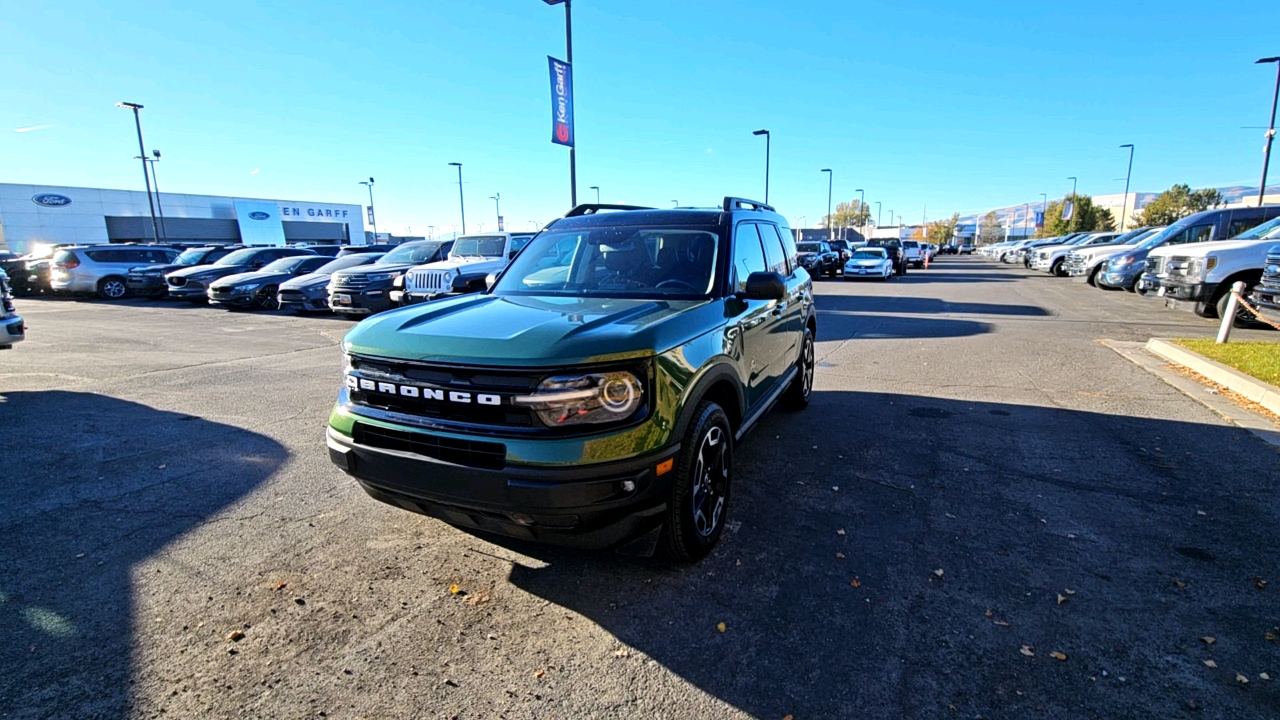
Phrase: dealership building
(32, 215)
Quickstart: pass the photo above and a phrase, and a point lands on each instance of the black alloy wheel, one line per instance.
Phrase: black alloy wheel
(112, 288)
(1243, 318)
(797, 396)
(267, 299)
(700, 490)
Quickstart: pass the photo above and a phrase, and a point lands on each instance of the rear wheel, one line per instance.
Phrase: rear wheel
(112, 288)
(700, 490)
(797, 396)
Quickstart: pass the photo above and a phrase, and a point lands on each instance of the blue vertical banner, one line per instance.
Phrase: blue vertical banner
(1039, 219)
(561, 102)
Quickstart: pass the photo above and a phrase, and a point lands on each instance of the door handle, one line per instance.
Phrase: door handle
(779, 308)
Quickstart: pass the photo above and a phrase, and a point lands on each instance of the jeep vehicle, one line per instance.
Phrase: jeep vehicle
(1199, 277)
(818, 258)
(472, 259)
(1126, 269)
(148, 280)
(193, 283)
(595, 394)
(1266, 297)
(12, 329)
(366, 290)
(102, 269)
(1086, 262)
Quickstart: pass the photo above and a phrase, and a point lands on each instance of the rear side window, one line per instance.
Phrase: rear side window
(748, 257)
(1194, 234)
(312, 264)
(788, 244)
(63, 256)
(1240, 225)
(774, 256)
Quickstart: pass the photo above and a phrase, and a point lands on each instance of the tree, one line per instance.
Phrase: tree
(848, 214)
(942, 232)
(1088, 217)
(990, 230)
(1176, 203)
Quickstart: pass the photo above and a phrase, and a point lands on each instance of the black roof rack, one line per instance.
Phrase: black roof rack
(733, 203)
(593, 208)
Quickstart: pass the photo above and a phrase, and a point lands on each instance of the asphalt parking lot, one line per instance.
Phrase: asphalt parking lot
(978, 484)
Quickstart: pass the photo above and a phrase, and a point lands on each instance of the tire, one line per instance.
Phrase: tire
(797, 396)
(1056, 269)
(267, 299)
(1133, 286)
(112, 287)
(1093, 276)
(1243, 318)
(700, 491)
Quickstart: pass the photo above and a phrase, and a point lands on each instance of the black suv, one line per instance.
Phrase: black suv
(192, 283)
(593, 396)
(818, 258)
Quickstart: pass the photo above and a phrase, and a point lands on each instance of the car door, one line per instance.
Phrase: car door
(758, 344)
(792, 308)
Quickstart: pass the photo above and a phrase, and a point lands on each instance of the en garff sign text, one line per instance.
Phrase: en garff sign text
(312, 212)
(561, 102)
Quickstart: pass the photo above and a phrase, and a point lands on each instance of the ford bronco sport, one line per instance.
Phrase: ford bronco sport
(595, 394)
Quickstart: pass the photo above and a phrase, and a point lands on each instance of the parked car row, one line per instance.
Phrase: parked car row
(1189, 265)
(837, 257)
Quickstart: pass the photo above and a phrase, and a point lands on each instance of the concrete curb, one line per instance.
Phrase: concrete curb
(1253, 389)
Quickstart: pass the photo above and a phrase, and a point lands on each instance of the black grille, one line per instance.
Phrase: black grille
(486, 455)
(449, 378)
(292, 296)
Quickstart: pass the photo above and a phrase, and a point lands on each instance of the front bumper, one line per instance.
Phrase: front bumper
(12, 330)
(233, 298)
(190, 291)
(1267, 300)
(399, 297)
(1186, 292)
(366, 301)
(584, 506)
(145, 284)
(1118, 278)
(298, 300)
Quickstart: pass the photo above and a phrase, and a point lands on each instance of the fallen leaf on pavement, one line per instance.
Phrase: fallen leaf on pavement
(1057, 655)
(722, 627)
(479, 597)
(1208, 640)
(938, 572)
(1061, 598)
(787, 717)
(1210, 663)
(1179, 583)
(1001, 623)
(235, 636)
(1026, 650)
(1242, 679)
(840, 555)
(622, 653)
(454, 589)
(1270, 636)
(855, 582)
(539, 673)
(281, 585)
(840, 531)
(1264, 676)
(989, 613)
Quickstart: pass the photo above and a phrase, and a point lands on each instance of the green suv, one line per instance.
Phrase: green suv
(593, 395)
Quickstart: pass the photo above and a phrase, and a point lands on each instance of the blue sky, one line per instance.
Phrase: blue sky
(953, 106)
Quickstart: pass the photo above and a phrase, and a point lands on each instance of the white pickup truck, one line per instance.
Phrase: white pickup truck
(1199, 276)
(1085, 263)
(472, 259)
(913, 253)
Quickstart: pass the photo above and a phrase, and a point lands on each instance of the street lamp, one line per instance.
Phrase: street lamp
(497, 205)
(142, 151)
(1072, 227)
(1271, 129)
(878, 213)
(568, 51)
(431, 232)
(597, 189)
(830, 177)
(462, 203)
(1125, 207)
(535, 224)
(155, 158)
(862, 211)
(675, 203)
(373, 215)
(768, 141)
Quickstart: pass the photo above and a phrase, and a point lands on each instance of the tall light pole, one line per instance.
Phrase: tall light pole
(878, 208)
(568, 52)
(675, 203)
(142, 151)
(1271, 128)
(1072, 227)
(373, 214)
(597, 189)
(497, 206)
(1124, 208)
(862, 211)
(155, 158)
(830, 230)
(768, 142)
(891, 219)
(431, 232)
(462, 203)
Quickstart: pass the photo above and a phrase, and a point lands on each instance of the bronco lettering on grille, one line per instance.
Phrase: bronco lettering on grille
(426, 393)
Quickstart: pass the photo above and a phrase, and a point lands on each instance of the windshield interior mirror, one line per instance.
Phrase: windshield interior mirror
(764, 286)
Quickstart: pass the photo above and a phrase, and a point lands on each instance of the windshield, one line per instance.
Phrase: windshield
(1164, 234)
(479, 246)
(239, 257)
(410, 254)
(194, 256)
(808, 247)
(286, 265)
(347, 261)
(869, 255)
(1265, 231)
(641, 262)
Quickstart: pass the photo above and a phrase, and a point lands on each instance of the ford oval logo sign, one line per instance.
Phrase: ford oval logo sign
(51, 200)
(259, 215)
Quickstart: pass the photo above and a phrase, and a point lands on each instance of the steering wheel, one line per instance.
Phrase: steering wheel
(673, 283)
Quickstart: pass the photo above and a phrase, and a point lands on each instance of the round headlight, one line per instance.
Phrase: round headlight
(618, 394)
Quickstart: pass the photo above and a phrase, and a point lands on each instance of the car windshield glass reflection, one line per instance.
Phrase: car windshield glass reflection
(191, 257)
(615, 262)
(808, 248)
(1266, 231)
(348, 261)
(479, 246)
(411, 254)
(285, 265)
(239, 257)
(868, 255)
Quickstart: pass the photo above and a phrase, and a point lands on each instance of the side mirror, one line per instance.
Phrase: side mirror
(764, 286)
(489, 280)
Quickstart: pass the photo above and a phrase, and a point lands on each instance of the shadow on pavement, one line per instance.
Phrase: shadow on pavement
(92, 486)
(842, 325)
(922, 306)
(897, 562)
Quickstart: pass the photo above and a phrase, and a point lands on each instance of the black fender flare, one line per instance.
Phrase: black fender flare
(716, 373)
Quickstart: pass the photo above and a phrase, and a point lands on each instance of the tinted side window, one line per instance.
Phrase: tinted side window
(775, 257)
(788, 245)
(1239, 225)
(748, 257)
(101, 256)
(310, 264)
(1197, 233)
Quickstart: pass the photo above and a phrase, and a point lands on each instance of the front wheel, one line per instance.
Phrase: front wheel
(700, 490)
(1243, 318)
(797, 396)
(267, 299)
(112, 288)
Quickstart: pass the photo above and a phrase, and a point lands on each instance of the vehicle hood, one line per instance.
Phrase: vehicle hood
(374, 268)
(208, 272)
(1216, 247)
(534, 331)
(1102, 251)
(259, 277)
(461, 262)
(305, 282)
